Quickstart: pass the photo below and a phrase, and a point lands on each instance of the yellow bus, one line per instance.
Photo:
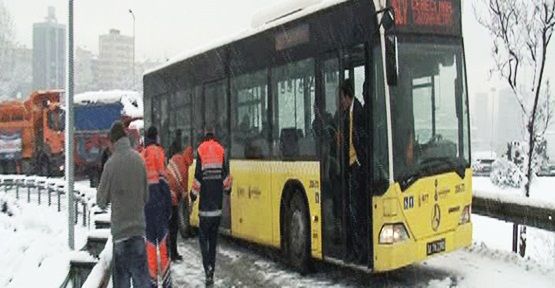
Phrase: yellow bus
(272, 94)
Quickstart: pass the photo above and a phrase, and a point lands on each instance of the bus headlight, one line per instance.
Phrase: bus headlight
(393, 233)
(465, 215)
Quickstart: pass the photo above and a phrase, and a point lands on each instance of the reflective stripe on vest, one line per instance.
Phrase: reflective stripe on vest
(214, 213)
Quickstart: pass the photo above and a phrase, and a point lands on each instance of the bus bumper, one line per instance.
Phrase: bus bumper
(394, 256)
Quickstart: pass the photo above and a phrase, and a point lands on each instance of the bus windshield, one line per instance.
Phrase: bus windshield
(429, 111)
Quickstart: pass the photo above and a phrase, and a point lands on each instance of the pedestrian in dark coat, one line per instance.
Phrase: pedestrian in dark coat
(211, 180)
(157, 211)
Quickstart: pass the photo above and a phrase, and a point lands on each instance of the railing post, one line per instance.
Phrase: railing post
(28, 193)
(515, 237)
(84, 214)
(59, 204)
(17, 191)
(39, 189)
(76, 212)
(49, 196)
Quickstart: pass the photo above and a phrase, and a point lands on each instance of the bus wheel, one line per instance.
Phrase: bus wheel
(183, 213)
(298, 236)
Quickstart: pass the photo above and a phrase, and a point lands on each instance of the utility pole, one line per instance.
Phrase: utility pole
(133, 64)
(69, 130)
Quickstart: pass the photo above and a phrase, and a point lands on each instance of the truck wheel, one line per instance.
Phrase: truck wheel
(183, 212)
(27, 167)
(298, 234)
(43, 166)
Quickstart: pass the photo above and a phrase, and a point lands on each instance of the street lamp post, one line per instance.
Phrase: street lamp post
(133, 64)
(69, 128)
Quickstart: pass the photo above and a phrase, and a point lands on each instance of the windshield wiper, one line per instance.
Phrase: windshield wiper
(408, 179)
(450, 162)
(429, 167)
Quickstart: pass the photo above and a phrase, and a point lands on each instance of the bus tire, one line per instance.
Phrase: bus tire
(298, 234)
(183, 213)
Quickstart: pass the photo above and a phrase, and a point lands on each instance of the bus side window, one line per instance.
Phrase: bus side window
(249, 113)
(293, 87)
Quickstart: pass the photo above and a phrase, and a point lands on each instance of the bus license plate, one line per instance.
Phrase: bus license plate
(435, 247)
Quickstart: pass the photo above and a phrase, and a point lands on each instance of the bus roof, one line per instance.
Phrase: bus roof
(277, 15)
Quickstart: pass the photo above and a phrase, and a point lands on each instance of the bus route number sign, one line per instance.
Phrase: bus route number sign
(427, 16)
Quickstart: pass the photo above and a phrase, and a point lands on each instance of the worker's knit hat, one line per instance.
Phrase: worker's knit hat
(117, 131)
(152, 134)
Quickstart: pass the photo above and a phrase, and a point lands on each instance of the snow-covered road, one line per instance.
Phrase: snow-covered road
(33, 245)
(241, 266)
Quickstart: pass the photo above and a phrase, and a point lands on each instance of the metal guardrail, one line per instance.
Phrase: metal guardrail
(39, 187)
(518, 213)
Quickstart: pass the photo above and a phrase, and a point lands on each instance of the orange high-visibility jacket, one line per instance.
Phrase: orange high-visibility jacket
(211, 178)
(155, 159)
(178, 174)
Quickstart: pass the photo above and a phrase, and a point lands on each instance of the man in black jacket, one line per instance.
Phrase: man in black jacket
(355, 137)
(211, 180)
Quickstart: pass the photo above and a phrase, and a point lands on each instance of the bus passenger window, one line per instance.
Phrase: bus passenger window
(249, 114)
(215, 110)
(294, 92)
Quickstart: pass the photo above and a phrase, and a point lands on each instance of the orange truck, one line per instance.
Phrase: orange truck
(31, 135)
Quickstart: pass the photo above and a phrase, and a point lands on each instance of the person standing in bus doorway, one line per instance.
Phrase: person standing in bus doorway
(157, 211)
(178, 180)
(123, 184)
(211, 180)
(354, 136)
(176, 146)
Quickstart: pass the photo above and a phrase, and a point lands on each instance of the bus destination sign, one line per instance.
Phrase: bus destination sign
(427, 16)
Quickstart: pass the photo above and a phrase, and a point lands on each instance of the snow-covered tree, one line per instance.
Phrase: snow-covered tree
(505, 173)
(521, 32)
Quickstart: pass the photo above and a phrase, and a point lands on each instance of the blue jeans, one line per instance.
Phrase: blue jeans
(130, 263)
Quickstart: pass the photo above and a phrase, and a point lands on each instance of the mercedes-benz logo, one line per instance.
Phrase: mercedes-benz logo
(436, 217)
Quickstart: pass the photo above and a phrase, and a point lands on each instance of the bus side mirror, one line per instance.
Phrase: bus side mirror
(391, 55)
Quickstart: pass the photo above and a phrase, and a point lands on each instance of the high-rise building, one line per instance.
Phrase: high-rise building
(49, 49)
(509, 120)
(16, 79)
(85, 65)
(115, 61)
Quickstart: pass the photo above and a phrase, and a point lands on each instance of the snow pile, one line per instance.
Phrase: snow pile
(33, 245)
(268, 15)
(542, 193)
(137, 124)
(447, 282)
(8, 206)
(480, 266)
(101, 269)
(495, 236)
(506, 174)
(132, 101)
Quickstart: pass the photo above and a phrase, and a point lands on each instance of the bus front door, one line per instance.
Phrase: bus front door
(356, 215)
(328, 133)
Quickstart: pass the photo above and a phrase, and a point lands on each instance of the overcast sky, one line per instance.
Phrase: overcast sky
(167, 27)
